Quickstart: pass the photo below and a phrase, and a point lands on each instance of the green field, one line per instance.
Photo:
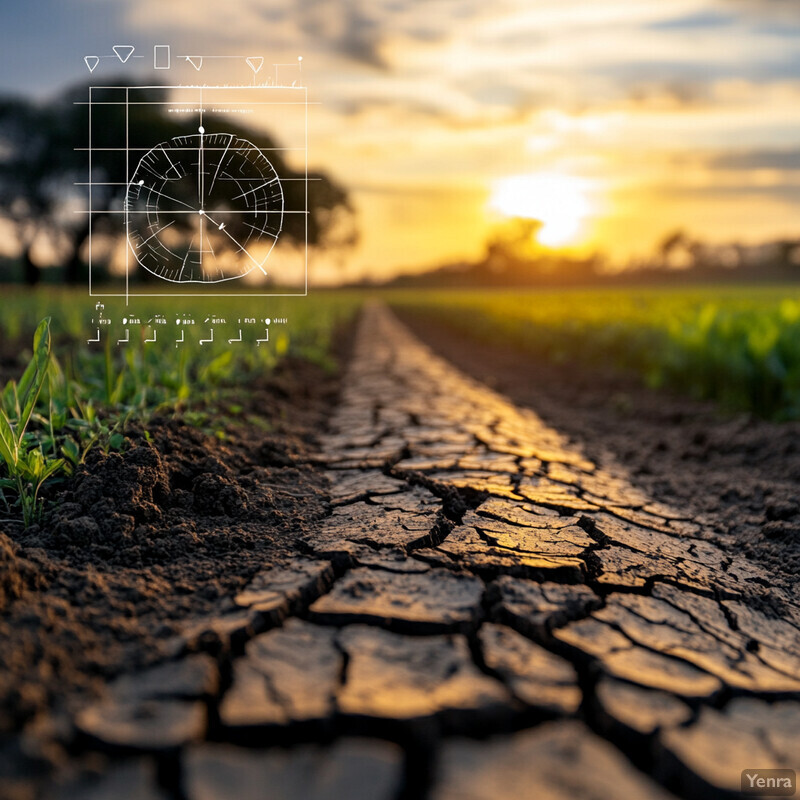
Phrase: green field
(738, 346)
(66, 397)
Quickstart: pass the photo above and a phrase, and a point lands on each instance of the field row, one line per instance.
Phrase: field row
(737, 346)
(65, 397)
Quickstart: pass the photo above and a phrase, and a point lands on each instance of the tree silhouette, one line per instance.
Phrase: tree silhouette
(25, 196)
(42, 159)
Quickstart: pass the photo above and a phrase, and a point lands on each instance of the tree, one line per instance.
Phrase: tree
(42, 158)
(25, 199)
(513, 244)
(675, 249)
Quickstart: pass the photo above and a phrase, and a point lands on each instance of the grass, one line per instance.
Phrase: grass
(72, 396)
(26, 465)
(738, 346)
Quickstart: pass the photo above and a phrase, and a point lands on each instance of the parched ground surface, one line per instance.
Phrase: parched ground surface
(737, 472)
(482, 612)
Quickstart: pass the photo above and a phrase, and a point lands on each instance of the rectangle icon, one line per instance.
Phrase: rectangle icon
(161, 56)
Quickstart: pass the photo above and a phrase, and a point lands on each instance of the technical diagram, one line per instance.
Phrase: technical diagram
(196, 188)
(222, 191)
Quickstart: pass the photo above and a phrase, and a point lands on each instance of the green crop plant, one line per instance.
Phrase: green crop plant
(77, 397)
(26, 465)
(737, 346)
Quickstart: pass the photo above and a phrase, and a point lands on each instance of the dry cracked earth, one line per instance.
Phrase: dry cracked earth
(485, 614)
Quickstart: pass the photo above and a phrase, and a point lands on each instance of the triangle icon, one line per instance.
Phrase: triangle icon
(255, 63)
(195, 61)
(91, 62)
(123, 51)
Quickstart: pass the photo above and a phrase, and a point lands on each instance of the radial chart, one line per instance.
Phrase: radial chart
(203, 208)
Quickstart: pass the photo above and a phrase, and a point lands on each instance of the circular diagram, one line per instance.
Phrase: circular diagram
(203, 208)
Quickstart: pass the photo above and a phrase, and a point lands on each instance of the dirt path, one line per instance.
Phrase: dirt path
(736, 471)
(484, 614)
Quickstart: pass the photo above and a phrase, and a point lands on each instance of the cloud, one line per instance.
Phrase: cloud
(351, 29)
(752, 160)
(458, 92)
(777, 9)
(786, 193)
(699, 20)
(469, 58)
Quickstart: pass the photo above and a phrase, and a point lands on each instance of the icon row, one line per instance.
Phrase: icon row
(163, 59)
(153, 337)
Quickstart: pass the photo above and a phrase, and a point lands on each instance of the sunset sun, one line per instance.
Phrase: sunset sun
(560, 202)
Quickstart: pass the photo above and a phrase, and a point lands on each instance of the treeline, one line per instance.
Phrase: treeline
(513, 258)
(44, 230)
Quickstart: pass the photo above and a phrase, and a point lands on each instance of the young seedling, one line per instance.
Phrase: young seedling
(27, 466)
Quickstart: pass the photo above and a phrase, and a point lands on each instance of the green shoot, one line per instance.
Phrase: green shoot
(27, 466)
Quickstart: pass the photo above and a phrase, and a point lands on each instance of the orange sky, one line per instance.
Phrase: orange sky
(614, 122)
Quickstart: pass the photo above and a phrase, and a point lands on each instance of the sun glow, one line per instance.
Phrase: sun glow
(560, 202)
